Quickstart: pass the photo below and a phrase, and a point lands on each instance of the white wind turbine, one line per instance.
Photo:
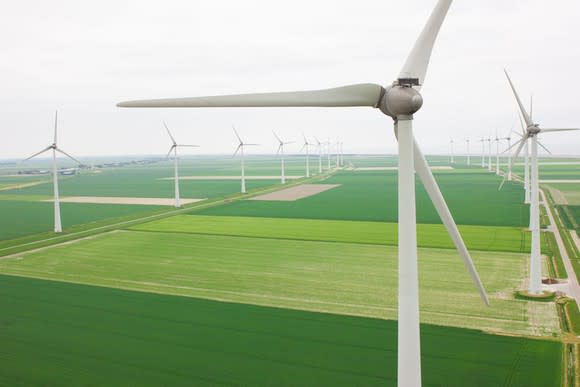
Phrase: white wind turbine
(531, 133)
(240, 148)
(482, 141)
(306, 146)
(280, 151)
(176, 175)
(452, 155)
(497, 140)
(319, 147)
(56, 199)
(399, 100)
(468, 154)
(489, 167)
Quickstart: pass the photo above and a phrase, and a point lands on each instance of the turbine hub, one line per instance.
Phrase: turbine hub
(533, 129)
(400, 101)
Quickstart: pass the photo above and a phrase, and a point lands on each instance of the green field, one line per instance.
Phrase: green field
(508, 239)
(567, 193)
(21, 218)
(334, 277)
(55, 333)
(473, 198)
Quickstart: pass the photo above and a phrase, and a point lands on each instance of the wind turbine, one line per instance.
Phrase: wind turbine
(509, 169)
(319, 147)
(489, 167)
(306, 146)
(468, 154)
(328, 144)
(531, 133)
(240, 148)
(451, 146)
(497, 140)
(337, 154)
(174, 149)
(281, 153)
(55, 148)
(400, 100)
(482, 141)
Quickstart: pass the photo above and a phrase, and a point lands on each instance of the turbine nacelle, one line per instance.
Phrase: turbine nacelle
(400, 100)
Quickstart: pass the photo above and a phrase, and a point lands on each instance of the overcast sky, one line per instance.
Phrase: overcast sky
(83, 57)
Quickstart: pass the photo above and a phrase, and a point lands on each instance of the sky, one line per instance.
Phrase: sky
(81, 58)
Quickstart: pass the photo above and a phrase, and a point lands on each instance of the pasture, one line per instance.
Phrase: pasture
(56, 333)
(332, 277)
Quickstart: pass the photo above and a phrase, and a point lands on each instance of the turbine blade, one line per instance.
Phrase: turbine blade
(527, 118)
(237, 149)
(513, 146)
(522, 125)
(277, 138)
(252, 144)
(237, 135)
(521, 143)
(187, 145)
(557, 130)
(365, 94)
(170, 149)
(169, 133)
(279, 148)
(67, 155)
(37, 153)
(546, 149)
(424, 172)
(418, 60)
(503, 181)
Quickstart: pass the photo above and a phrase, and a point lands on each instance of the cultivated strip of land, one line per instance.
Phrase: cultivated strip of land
(295, 193)
(224, 177)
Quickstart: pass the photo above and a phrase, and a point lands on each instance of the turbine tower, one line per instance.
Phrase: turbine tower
(280, 151)
(306, 146)
(489, 167)
(452, 155)
(176, 175)
(468, 154)
(482, 141)
(497, 140)
(56, 199)
(319, 147)
(531, 133)
(240, 148)
(399, 100)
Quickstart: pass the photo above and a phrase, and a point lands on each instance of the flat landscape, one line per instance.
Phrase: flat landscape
(254, 292)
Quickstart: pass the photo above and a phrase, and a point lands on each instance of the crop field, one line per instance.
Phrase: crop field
(568, 193)
(333, 277)
(554, 170)
(20, 218)
(509, 239)
(61, 333)
(372, 196)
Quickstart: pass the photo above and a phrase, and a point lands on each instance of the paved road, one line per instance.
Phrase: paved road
(573, 289)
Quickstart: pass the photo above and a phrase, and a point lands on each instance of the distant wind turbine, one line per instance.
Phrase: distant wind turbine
(399, 100)
(56, 199)
(452, 155)
(306, 146)
(531, 134)
(240, 148)
(468, 154)
(319, 147)
(482, 141)
(173, 148)
(280, 151)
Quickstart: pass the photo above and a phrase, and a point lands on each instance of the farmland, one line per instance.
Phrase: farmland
(372, 196)
(258, 292)
(429, 235)
(334, 277)
(61, 333)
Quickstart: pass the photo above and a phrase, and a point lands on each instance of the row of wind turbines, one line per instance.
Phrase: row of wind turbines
(173, 149)
(528, 138)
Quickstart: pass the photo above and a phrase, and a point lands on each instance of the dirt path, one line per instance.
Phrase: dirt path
(294, 193)
(572, 282)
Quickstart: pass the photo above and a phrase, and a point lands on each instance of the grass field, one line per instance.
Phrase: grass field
(343, 278)
(569, 191)
(372, 196)
(55, 333)
(508, 239)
